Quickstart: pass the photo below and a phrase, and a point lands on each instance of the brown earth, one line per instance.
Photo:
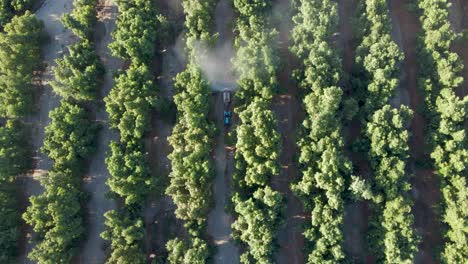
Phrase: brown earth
(219, 221)
(459, 19)
(49, 12)
(425, 184)
(161, 224)
(287, 108)
(357, 213)
(93, 248)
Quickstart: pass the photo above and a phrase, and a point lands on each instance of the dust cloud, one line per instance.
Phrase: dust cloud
(216, 65)
(215, 62)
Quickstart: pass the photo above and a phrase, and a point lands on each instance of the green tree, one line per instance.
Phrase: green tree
(56, 216)
(259, 217)
(191, 140)
(193, 251)
(130, 102)
(135, 35)
(20, 55)
(82, 19)
(77, 74)
(124, 231)
(70, 137)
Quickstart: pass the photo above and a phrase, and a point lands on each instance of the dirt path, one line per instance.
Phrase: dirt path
(93, 248)
(160, 221)
(219, 222)
(286, 107)
(50, 13)
(459, 20)
(357, 213)
(425, 189)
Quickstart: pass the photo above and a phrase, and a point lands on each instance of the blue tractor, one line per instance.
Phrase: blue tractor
(227, 118)
(227, 113)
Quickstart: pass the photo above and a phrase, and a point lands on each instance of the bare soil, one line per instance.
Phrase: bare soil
(93, 249)
(357, 213)
(161, 224)
(219, 221)
(287, 108)
(459, 20)
(425, 185)
(49, 12)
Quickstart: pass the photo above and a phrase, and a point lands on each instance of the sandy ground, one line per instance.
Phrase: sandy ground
(286, 107)
(219, 222)
(50, 12)
(93, 248)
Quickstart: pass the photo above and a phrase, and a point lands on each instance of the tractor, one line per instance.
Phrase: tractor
(227, 113)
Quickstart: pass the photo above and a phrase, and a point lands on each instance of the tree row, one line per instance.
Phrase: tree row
(10, 8)
(56, 215)
(257, 206)
(192, 167)
(385, 138)
(20, 60)
(447, 112)
(324, 167)
(129, 105)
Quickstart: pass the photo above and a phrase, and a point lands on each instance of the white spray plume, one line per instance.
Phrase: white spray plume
(216, 65)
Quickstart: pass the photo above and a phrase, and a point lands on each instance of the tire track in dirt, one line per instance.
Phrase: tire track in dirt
(50, 13)
(219, 221)
(161, 224)
(357, 213)
(287, 108)
(93, 250)
(425, 185)
(459, 19)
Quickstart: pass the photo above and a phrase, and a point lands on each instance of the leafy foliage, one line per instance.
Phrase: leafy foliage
(191, 156)
(77, 74)
(257, 216)
(258, 144)
(193, 251)
(56, 214)
(128, 165)
(376, 77)
(20, 58)
(323, 164)
(8, 8)
(20, 55)
(70, 136)
(82, 19)
(377, 59)
(199, 20)
(388, 154)
(129, 105)
(125, 231)
(258, 207)
(135, 36)
(13, 150)
(192, 169)
(130, 102)
(440, 75)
